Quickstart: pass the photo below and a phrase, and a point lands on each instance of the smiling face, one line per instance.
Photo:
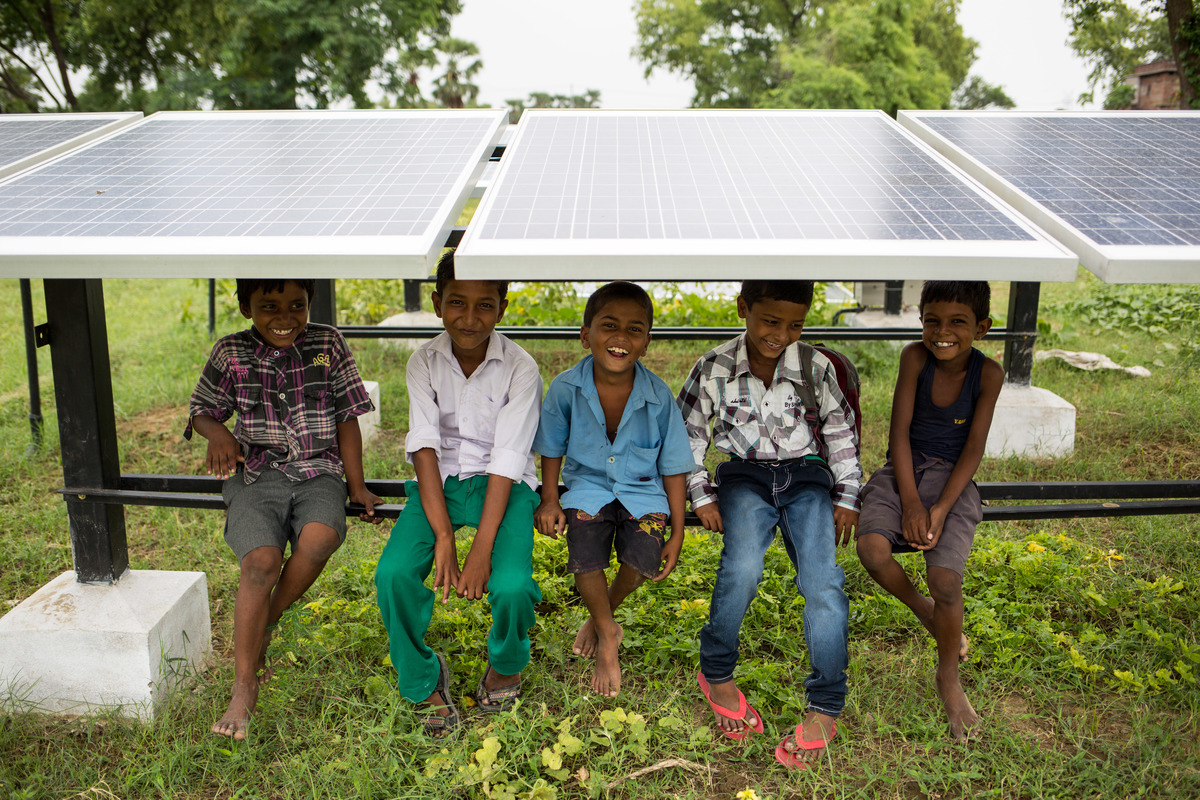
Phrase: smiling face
(948, 329)
(617, 337)
(469, 312)
(771, 325)
(278, 316)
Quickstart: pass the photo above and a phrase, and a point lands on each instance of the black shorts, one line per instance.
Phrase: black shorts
(639, 542)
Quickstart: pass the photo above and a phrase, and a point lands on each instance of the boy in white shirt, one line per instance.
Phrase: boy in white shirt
(474, 399)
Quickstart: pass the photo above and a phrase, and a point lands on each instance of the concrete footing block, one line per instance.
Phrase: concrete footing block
(74, 648)
(368, 423)
(1031, 422)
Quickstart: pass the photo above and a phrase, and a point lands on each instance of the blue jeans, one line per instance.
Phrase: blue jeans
(754, 498)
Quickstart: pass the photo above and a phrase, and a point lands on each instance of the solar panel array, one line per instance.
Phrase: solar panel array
(223, 192)
(29, 139)
(1121, 189)
(618, 194)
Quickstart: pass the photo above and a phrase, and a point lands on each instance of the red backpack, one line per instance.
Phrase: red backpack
(847, 379)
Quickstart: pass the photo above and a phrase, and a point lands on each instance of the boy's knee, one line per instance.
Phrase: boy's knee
(260, 567)
(511, 588)
(945, 586)
(317, 542)
(874, 550)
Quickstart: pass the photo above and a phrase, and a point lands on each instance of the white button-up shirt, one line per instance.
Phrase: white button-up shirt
(479, 425)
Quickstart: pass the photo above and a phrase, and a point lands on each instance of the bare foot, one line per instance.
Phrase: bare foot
(585, 640)
(726, 695)
(236, 721)
(959, 711)
(817, 730)
(925, 615)
(606, 677)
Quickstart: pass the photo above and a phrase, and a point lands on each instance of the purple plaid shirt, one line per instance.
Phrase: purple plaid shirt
(288, 402)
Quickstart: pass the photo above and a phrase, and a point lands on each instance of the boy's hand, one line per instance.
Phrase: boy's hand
(369, 499)
(550, 519)
(445, 557)
(845, 520)
(472, 583)
(937, 519)
(670, 555)
(710, 518)
(914, 524)
(224, 453)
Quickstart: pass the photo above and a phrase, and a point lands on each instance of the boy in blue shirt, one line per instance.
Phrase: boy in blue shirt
(615, 425)
(923, 499)
(473, 410)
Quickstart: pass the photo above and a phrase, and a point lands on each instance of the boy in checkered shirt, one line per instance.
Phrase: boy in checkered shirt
(297, 395)
(746, 392)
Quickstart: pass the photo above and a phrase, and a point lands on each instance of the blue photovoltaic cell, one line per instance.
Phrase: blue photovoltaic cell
(765, 176)
(235, 175)
(24, 135)
(1119, 179)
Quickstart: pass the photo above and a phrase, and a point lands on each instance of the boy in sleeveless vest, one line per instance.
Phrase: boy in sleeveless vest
(924, 499)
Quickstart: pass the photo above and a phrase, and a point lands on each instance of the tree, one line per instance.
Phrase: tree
(516, 106)
(453, 88)
(1113, 37)
(976, 94)
(887, 54)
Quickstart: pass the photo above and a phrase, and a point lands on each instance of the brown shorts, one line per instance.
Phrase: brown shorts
(881, 512)
(639, 542)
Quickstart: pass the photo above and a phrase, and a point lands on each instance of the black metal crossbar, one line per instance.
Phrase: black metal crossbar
(1121, 498)
(666, 333)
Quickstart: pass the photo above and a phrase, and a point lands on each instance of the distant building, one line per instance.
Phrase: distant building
(1155, 85)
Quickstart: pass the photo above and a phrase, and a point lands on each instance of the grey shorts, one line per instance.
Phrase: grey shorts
(881, 513)
(274, 509)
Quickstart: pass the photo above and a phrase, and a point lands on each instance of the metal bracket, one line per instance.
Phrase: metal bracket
(41, 334)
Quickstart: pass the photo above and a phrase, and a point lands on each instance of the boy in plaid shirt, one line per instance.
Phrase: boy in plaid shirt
(746, 392)
(298, 396)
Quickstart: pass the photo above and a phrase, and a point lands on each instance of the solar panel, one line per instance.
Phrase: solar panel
(234, 194)
(29, 139)
(1121, 189)
(704, 194)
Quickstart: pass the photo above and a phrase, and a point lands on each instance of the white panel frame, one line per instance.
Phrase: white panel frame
(118, 119)
(1110, 263)
(1042, 259)
(388, 257)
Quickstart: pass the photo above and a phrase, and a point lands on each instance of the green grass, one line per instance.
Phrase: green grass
(1084, 647)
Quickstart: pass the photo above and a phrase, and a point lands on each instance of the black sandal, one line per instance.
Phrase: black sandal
(435, 724)
(494, 701)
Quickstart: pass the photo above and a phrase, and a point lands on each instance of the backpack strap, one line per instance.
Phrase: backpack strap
(808, 397)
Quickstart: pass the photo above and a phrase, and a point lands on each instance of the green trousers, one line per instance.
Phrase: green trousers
(407, 604)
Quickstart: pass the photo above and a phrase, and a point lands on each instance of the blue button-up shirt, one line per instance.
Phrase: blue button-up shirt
(651, 441)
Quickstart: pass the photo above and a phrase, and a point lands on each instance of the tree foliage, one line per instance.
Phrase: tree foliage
(1114, 36)
(517, 106)
(155, 54)
(976, 94)
(887, 54)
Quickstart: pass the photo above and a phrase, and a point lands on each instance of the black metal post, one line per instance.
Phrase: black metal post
(412, 295)
(893, 298)
(324, 303)
(212, 309)
(1022, 319)
(31, 365)
(86, 424)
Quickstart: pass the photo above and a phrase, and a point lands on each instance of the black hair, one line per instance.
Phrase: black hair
(800, 292)
(618, 290)
(246, 287)
(976, 295)
(445, 274)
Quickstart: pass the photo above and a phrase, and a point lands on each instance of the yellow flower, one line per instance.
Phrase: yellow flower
(747, 794)
(1034, 547)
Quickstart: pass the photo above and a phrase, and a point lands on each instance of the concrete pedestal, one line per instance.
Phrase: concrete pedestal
(71, 648)
(1031, 422)
(876, 318)
(369, 422)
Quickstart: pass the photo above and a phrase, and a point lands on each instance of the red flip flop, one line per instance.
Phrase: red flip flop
(742, 708)
(791, 759)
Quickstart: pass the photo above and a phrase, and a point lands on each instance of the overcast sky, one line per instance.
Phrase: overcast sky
(569, 46)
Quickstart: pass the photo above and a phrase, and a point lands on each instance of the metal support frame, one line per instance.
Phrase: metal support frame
(323, 308)
(86, 424)
(893, 298)
(31, 365)
(1022, 321)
